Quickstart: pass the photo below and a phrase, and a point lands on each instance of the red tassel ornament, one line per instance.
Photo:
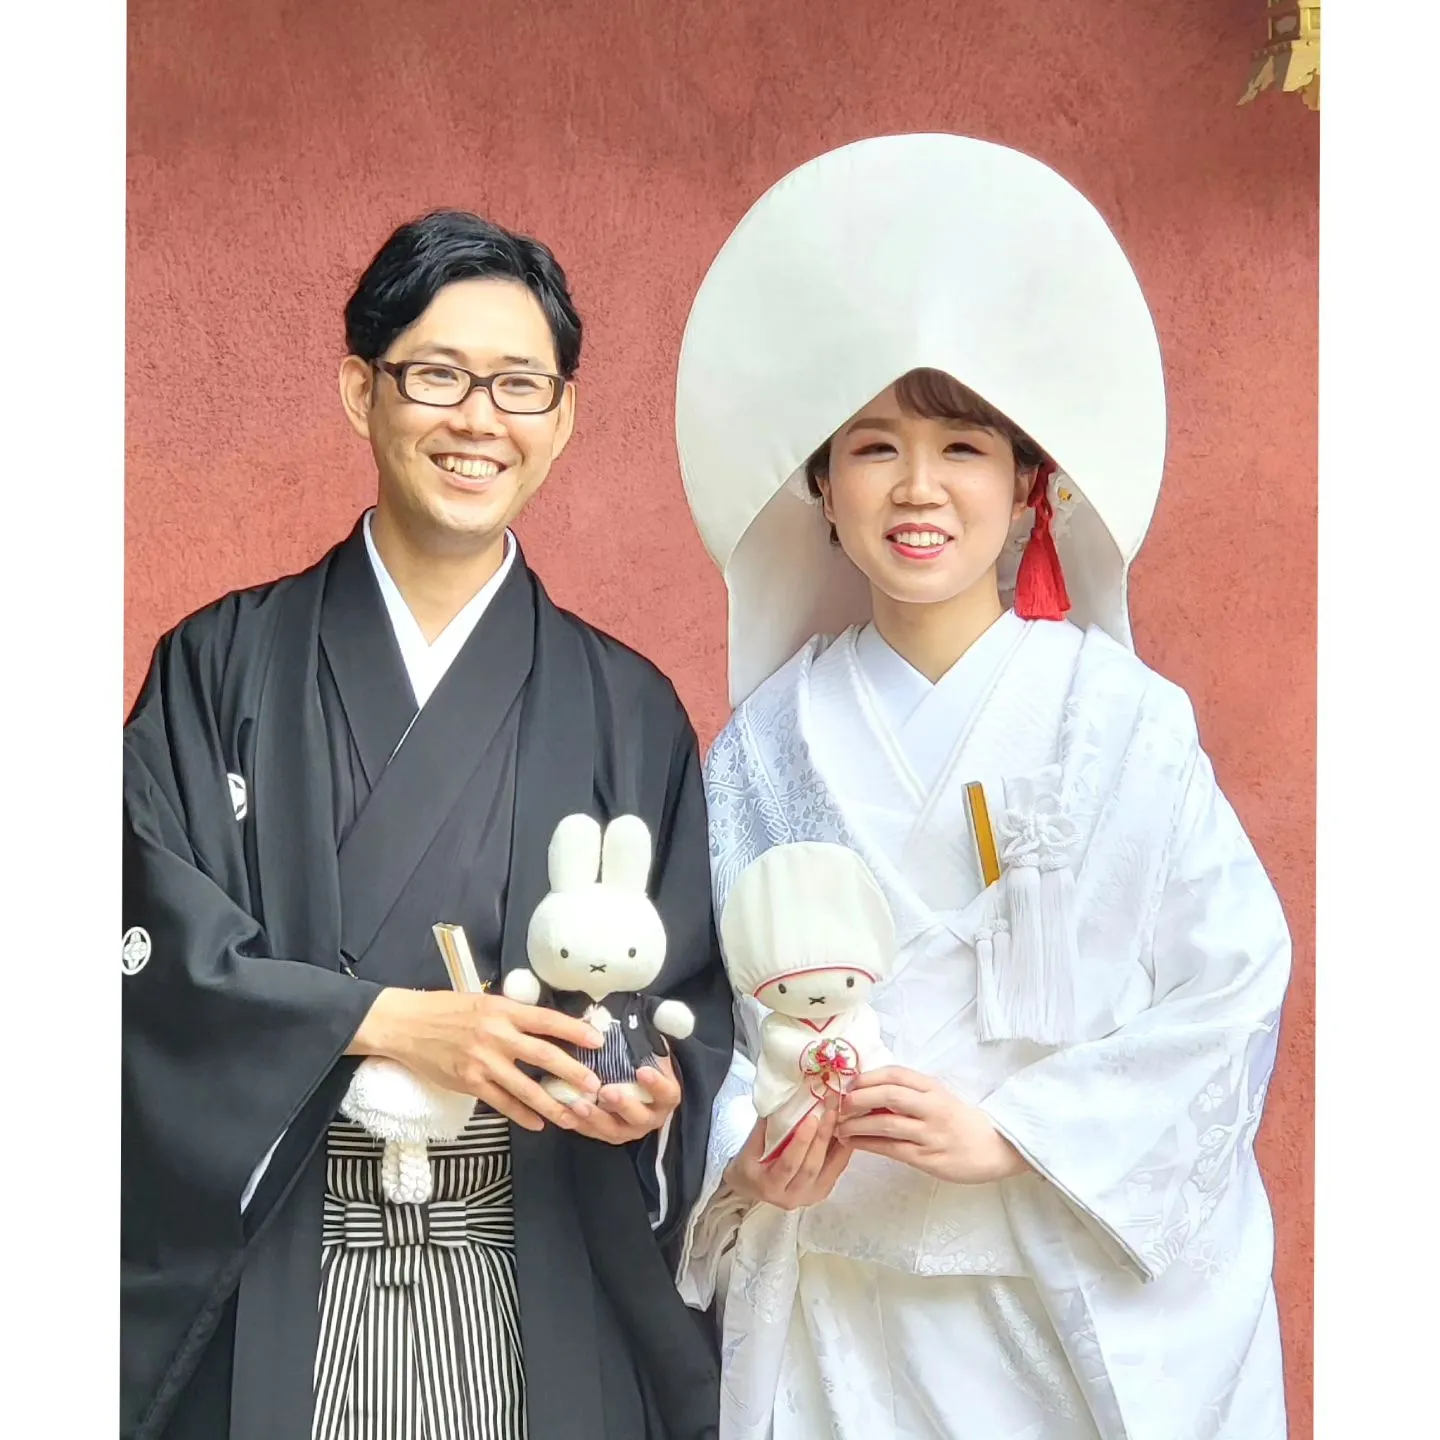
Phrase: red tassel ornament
(1040, 592)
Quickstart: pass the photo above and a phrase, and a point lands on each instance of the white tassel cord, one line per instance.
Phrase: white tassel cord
(1027, 967)
(405, 1112)
(992, 953)
(405, 1176)
(1059, 926)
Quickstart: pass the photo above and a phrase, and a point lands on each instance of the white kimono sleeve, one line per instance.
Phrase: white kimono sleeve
(715, 1220)
(745, 821)
(1144, 1131)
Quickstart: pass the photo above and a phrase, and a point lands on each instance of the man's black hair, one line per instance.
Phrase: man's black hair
(425, 255)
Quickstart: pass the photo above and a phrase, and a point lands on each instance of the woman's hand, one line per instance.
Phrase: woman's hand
(803, 1173)
(916, 1120)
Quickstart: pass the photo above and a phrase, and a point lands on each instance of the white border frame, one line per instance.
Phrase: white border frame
(62, 256)
(63, 123)
(1377, 957)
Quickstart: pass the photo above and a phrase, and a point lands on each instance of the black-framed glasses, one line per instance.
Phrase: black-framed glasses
(516, 392)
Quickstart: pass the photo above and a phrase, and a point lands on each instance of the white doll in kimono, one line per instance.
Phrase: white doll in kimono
(921, 421)
(807, 934)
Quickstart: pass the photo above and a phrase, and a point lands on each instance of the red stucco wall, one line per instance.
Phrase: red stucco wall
(273, 145)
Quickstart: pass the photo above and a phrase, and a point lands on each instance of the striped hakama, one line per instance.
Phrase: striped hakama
(419, 1312)
(614, 1062)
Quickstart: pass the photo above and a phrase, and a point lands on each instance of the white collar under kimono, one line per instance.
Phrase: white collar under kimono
(425, 663)
(926, 718)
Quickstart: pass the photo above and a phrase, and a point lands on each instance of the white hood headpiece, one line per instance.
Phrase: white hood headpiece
(891, 255)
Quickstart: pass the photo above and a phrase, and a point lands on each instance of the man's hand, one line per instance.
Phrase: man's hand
(618, 1118)
(803, 1173)
(927, 1127)
(475, 1044)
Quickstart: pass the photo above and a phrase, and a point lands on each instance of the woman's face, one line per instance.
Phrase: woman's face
(922, 507)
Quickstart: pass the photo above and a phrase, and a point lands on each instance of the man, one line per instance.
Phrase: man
(318, 771)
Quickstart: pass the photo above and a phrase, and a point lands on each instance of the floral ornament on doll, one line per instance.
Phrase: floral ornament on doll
(594, 945)
(830, 1065)
(807, 932)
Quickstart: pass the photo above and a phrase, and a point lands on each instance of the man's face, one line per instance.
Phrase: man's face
(453, 478)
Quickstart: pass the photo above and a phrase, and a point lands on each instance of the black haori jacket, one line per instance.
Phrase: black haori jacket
(284, 860)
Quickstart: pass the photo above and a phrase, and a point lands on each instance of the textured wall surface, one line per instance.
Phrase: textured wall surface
(274, 145)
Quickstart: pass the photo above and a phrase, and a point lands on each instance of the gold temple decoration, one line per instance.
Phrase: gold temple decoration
(1291, 59)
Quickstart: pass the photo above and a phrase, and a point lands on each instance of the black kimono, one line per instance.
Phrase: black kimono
(283, 861)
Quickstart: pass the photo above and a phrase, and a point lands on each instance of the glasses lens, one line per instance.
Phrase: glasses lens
(522, 393)
(434, 384)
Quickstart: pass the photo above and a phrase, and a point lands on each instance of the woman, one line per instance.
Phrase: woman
(921, 411)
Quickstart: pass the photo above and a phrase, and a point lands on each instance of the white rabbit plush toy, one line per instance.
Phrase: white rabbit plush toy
(595, 944)
(807, 932)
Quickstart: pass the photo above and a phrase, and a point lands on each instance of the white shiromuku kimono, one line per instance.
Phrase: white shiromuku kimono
(1123, 1290)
